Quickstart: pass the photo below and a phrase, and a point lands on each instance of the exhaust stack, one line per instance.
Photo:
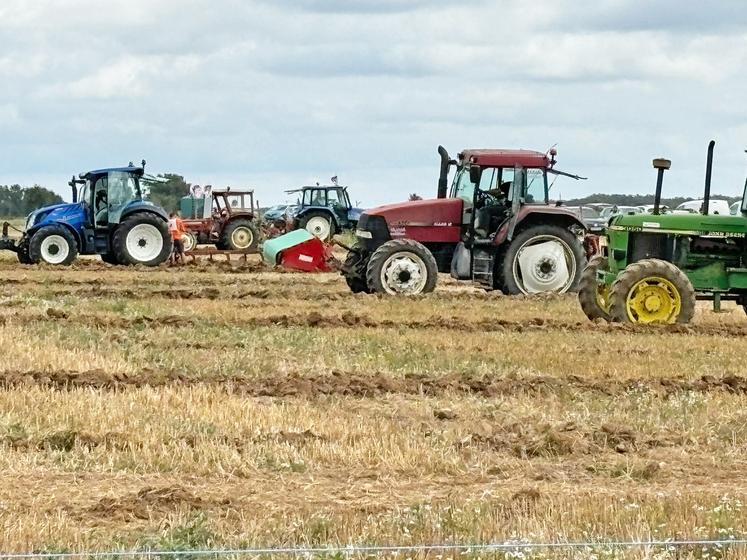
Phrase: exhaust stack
(709, 172)
(443, 178)
(661, 165)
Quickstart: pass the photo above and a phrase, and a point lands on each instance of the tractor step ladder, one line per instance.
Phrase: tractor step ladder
(483, 264)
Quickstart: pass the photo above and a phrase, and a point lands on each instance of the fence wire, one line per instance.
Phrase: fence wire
(354, 550)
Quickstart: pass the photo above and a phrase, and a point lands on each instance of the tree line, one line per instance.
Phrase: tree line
(17, 201)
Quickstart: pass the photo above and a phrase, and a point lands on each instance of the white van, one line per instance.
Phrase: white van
(714, 206)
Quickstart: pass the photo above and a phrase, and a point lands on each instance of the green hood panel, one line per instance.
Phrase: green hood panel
(273, 247)
(686, 224)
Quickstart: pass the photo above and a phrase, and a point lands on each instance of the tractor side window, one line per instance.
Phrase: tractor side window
(535, 190)
(464, 188)
(333, 199)
(123, 189)
(318, 197)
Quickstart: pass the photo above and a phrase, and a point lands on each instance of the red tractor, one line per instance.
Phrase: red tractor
(496, 228)
(229, 222)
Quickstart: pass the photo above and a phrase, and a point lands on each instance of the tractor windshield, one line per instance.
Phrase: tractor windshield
(123, 188)
(536, 189)
(744, 198)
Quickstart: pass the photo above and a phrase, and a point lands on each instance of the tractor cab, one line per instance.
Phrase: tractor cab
(495, 185)
(325, 210)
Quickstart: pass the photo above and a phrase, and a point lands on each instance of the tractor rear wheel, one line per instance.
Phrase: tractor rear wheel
(142, 238)
(593, 296)
(544, 258)
(652, 291)
(402, 266)
(110, 258)
(318, 224)
(354, 271)
(53, 244)
(239, 235)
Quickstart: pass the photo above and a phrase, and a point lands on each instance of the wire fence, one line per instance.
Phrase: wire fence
(382, 550)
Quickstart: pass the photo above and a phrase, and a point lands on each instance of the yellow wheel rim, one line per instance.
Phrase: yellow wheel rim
(654, 300)
(603, 296)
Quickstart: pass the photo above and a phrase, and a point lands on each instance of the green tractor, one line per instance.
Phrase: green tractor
(653, 267)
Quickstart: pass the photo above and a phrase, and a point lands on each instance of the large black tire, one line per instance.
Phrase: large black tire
(318, 223)
(54, 244)
(402, 266)
(509, 273)
(652, 291)
(594, 299)
(354, 271)
(239, 235)
(110, 258)
(142, 238)
(23, 253)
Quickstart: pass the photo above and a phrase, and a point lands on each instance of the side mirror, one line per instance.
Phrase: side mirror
(475, 172)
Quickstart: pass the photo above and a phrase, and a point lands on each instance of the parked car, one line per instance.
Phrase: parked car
(649, 208)
(715, 206)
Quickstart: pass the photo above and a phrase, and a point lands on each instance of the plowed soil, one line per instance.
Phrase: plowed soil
(228, 404)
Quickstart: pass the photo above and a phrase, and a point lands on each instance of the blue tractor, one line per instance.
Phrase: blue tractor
(108, 217)
(325, 210)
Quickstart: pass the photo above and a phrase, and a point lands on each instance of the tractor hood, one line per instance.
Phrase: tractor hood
(56, 212)
(685, 224)
(436, 211)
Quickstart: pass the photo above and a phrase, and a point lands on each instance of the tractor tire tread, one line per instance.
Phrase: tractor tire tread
(505, 264)
(119, 238)
(379, 256)
(34, 247)
(587, 289)
(637, 271)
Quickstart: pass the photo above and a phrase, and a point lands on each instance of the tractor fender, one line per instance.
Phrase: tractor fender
(143, 206)
(544, 215)
(43, 223)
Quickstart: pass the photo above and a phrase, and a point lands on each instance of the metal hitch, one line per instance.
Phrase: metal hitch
(6, 243)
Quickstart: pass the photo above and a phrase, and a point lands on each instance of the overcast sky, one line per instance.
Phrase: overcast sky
(276, 93)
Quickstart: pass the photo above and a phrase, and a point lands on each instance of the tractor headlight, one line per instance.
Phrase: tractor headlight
(31, 220)
(364, 234)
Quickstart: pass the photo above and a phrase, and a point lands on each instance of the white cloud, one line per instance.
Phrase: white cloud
(272, 93)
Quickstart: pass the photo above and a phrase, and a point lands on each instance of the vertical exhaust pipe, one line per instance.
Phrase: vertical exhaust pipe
(661, 165)
(443, 178)
(709, 171)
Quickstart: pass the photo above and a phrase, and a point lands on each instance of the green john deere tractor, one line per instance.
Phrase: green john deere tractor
(653, 267)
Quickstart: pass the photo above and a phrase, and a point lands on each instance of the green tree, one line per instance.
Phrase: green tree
(166, 190)
(16, 201)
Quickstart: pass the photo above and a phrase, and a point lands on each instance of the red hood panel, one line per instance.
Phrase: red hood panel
(436, 211)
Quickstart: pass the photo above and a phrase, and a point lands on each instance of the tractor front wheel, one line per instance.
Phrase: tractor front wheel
(354, 271)
(402, 266)
(239, 235)
(142, 238)
(318, 224)
(652, 291)
(53, 244)
(544, 258)
(593, 296)
(23, 253)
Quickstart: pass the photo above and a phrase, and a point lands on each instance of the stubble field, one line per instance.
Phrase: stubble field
(231, 406)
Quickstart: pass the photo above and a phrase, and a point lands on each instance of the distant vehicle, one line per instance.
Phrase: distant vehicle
(735, 208)
(324, 210)
(277, 212)
(714, 206)
(618, 210)
(598, 206)
(649, 208)
(589, 216)
(227, 220)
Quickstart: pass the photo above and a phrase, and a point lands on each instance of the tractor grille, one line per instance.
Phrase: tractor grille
(378, 228)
